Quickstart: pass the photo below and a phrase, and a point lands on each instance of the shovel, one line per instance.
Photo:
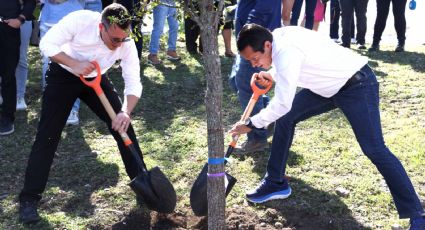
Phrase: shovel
(198, 193)
(152, 186)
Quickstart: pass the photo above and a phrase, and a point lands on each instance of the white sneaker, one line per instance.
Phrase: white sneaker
(20, 104)
(73, 118)
(336, 40)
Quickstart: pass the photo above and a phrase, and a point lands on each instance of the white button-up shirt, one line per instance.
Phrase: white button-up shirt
(78, 35)
(307, 59)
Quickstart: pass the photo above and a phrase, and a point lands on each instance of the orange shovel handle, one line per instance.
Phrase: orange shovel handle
(95, 85)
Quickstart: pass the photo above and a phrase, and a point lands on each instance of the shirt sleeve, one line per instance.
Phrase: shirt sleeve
(286, 71)
(61, 33)
(261, 12)
(28, 9)
(130, 65)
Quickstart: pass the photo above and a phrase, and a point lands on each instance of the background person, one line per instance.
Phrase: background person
(268, 14)
(12, 15)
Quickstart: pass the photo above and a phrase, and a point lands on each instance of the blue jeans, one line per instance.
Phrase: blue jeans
(310, 6)
(22, 68)
(360, 104)
(240, 81)
(160, 13)
(94, 5)
(43, 30)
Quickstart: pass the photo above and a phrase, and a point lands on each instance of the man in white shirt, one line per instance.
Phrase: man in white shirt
(79, 38)
(331, 77)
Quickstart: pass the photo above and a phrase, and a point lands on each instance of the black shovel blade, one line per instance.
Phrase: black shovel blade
(156, 190)
(198, 193)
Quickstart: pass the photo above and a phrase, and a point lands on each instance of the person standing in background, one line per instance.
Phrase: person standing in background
(267, 13)
(335, 15)
(162, 12)
(383, 8)
(348, 8)
(22, 68)
(310, 6)
(93, 5)
(12, 15)
(286, 11)
(51, 13)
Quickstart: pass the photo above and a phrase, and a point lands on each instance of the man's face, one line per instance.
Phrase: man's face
(259, 59)
(113, 36)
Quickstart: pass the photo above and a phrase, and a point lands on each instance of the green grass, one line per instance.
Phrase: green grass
(87, 187)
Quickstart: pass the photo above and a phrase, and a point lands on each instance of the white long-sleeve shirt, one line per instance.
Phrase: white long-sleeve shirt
(78, 35)
(307, 59)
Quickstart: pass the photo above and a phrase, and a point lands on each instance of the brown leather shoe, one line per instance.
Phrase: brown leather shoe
(252, 146)
(172, 55)
(153, 59)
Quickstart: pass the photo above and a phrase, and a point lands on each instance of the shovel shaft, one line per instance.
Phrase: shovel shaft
(95, 85)
(257, 92)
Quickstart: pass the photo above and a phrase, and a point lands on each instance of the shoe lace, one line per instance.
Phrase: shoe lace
(261, 185)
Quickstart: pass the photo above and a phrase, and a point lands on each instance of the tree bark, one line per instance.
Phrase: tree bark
(209, 19)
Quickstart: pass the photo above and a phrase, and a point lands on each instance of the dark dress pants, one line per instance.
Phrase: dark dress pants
(348, 7)
(383, 7)
(10, 40)
(62, 89)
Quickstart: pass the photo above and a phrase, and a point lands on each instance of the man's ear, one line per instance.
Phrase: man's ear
(267, 45)
(100, 26)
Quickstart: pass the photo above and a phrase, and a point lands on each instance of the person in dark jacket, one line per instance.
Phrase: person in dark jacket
(12, 15)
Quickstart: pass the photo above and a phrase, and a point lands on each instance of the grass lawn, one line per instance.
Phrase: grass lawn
(87, 187)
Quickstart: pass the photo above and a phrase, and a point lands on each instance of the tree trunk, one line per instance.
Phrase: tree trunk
(214, 96)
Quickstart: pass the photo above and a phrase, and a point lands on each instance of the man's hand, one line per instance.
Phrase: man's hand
(121, 122)
(263, 78)
(83, 68)
(13, 22)
(239, 128)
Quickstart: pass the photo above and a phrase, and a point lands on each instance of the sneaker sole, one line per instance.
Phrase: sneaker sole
(8, 132)
(72, 123)
(273, 196)
(153, 63)
(173, 58)
(21, 108)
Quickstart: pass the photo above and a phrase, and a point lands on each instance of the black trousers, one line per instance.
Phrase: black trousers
(192, 33)
(383, 8)
(348, 7)
(10, 40)
(62, 89)
(335, 16)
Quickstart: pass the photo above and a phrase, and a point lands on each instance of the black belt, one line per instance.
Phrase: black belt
(359, 75)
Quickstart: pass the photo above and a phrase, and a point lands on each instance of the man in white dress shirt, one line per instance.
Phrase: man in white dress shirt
(79, 38)
(331, 77)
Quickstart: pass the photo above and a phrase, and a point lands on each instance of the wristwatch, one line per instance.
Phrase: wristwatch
(249, 124)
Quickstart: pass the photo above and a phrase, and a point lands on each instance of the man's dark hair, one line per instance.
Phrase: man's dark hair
(116, 14)
(255, 36)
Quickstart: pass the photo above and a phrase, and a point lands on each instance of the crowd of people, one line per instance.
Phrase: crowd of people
(71, 29)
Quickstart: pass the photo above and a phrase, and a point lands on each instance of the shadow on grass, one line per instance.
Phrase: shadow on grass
(307, 208)
(312, 209)
(75, 175)
(413, 59)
